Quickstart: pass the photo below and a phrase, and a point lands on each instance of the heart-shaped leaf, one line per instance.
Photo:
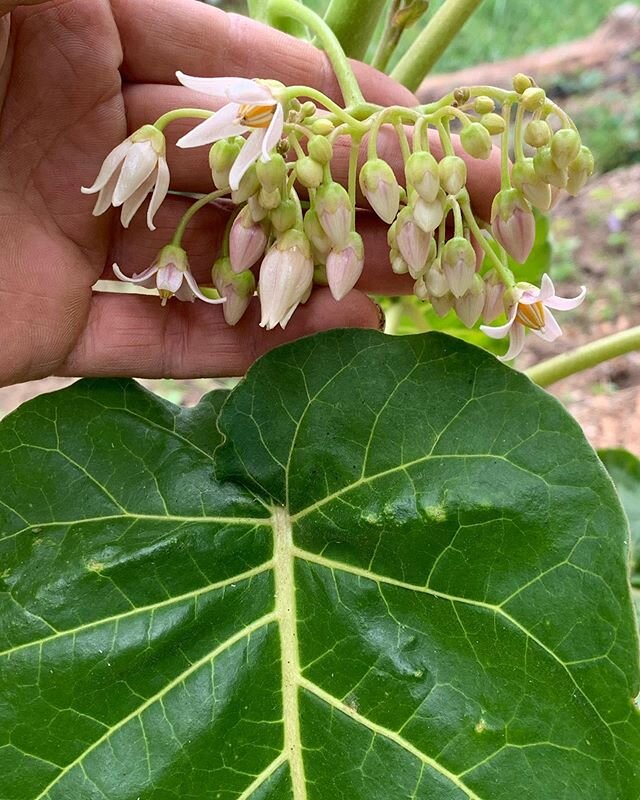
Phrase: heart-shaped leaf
(406, 579)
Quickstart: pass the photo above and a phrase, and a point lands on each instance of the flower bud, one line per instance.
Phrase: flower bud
(236, 288)
(284, 216)
(320, 149)
(272, 173)
(398, 265)
(547, 169)
(322, 126)
(469, 306)
(315, 232)
(458, 264)
(286, 277)
(380, 187)
(221, 157)
(522, 82)
(412, 241)
(247, 241)
(442, 305)
(308, 109)
(524, 177)
(453, 174)
(494, 123)
(436, 282)
(513, 224)
(579, 170)
(344, 266)
(537, 133)
(309, 172)
(334, 212)
(484, 105)
(249, 184)
(428, 215)
(269, 199)
(421, 172)
(258, 213)
(476, 140)
(565, 146)
(493, 298)
(420, 289)
(533, 98)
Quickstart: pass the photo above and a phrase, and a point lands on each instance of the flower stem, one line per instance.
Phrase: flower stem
(354, 23)
(433, 41)
(192, 211)
(319, 97)
(181, 113)
(389, 39)
(348, 84)
(353, 174)
(585, 357)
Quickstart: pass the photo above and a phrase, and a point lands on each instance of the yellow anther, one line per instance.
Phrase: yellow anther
(531, 315)
(254, 116)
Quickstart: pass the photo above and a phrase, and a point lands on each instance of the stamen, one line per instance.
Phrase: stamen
(254, 116)
(531, 315)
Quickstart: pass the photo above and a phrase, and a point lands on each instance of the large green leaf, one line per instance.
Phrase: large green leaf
(407, 580)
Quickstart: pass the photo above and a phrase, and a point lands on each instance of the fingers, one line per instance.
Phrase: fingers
(135, 335)
(162, 36)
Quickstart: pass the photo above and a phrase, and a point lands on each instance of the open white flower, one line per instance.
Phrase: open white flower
(253, 107)
(171, 275)
(134, 168)
(529, 308)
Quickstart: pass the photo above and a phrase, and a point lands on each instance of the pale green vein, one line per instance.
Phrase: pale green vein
(237, 637)
(212, 587)
(263, 776)
(390, 735)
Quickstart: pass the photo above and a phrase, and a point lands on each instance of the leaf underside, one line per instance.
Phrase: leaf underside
(394, 570)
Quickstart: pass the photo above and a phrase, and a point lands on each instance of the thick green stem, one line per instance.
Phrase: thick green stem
(181, 113)
(259, 9)
(585, 357)
(389, 39)
(354, 23)
(433, 41)
(327, 38)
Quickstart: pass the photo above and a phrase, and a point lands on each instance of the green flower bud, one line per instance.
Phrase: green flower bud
(334, 212)
(579, 170)
(565, 146)
(380, 187)
(284, 216)
(308, 109)
(547, 169)
(272, 173)
(483, 104)
(533, 98)
(322, 126)
(453, 174)
(269, 200)
(315, 233)
(309, 172)
(494, 123)
(522, 82)
(221, 158)
(421, 172)
(249, 184)
(537, 191)
(476, 140)
(320, 149)
(537, 133)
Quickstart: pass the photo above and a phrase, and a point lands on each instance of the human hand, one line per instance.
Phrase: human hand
(64, 109)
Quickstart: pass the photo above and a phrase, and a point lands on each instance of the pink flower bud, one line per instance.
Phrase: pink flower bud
(436, 281)
(536, 191)
(469, 306)
(494, 297)
(380, 187)
(286, 276)
(421, 172)
(453, 174)
(236, 288)
(247, 241)
(344, 266)
(334, 212)
(442, 305)
(513, 224)
(428, 215)
(459, 265)
(413, 243)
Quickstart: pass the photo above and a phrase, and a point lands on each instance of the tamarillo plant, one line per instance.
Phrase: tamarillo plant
(381, 567)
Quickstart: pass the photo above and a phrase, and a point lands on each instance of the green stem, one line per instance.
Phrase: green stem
(585, 357)
(353, 174)
(505, 171)
(389, 39)
(348, 84)
(319, 97)
(354, 23)
(503, 271)
(433, 41)
(259, 9)
(192, 211)
(181, 113)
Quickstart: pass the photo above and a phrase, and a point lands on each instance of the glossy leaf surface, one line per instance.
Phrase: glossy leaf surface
(401, 574)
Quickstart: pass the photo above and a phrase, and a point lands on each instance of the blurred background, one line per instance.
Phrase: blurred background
(586, 54)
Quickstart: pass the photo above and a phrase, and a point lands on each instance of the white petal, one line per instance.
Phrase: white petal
(516, 343)
(136, 200)
(274, 132)
(140, 163)
(551, 330)
(219, 126)
(169, 278)
(135, 278)
(196, 290)
(160, 191)
(109, 166)
(105, 196)
(566, 303)
(500, 331)
(249, 153)
(547, 289)
(233, 88)
(241, 90)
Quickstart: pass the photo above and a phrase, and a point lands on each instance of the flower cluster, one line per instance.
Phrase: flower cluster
(271, 158)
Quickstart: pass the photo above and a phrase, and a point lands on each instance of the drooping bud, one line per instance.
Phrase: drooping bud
(344, 266)
(442, 305)
(269, 199)
(249, 184)
(469, 306)
(334, 212)
(420, 289)
(533, 98)
(322, 126)
(459, 265)
(547, 169)
(315, 232)
(320, 149)
(236, 288)
(421, 172)
(247, 241)
(494, 296)
(398, 265)
(272, 173)
(513, 224)
(428, 215)
(483, 104)
(524, 177)
(380, 187)
(522, 82)
(309, 172)
(565, 146)
(258, 213)
(494, 123)
(412, 241)
(476, 140)
(579, 170)
(284, 216)
(221, 157)
(436, 281)
(537, 133)
(286, 277)
(308, 109)
(453, 174)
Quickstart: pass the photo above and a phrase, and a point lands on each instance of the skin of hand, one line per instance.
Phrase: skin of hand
(78, 77)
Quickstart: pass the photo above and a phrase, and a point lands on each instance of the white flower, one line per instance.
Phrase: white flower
(253, 107)
(131, 170)
(286, 278)
(171, 275)
(529, 308)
